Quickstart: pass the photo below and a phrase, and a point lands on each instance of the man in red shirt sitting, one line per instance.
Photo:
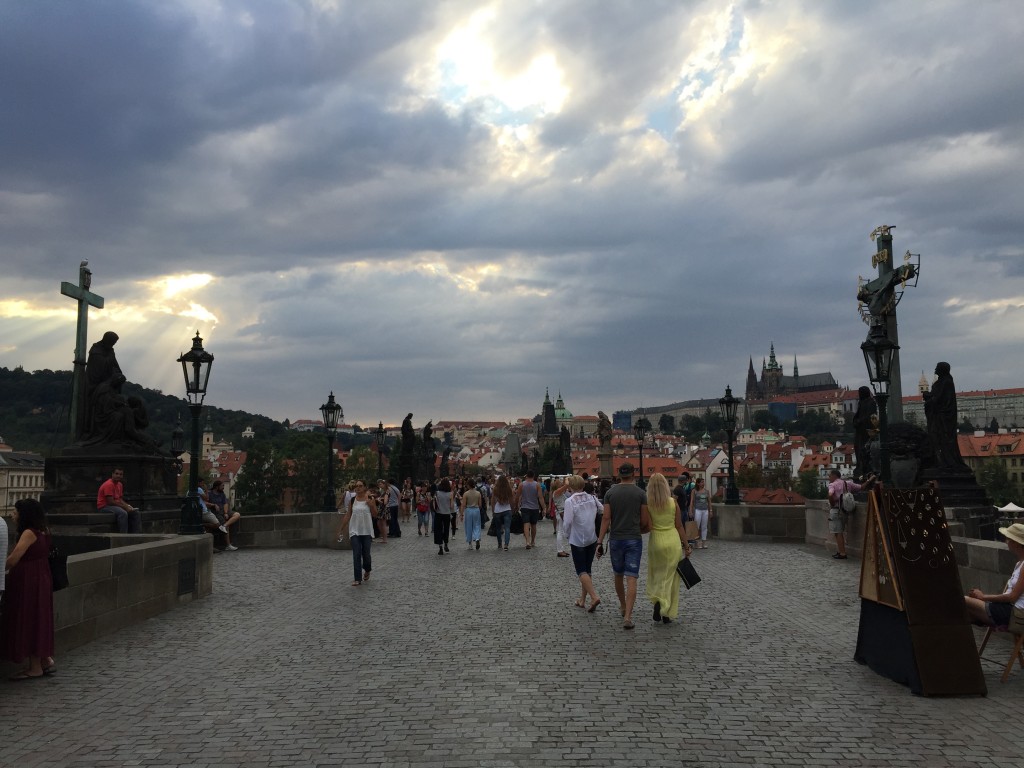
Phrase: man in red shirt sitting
(110, 498)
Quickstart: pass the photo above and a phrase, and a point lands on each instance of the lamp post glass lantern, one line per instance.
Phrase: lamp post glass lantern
(878, 352)
(379, 436)
(640, 430)
(729, 404)
(178, 445)
(196, 365)
(331, 411)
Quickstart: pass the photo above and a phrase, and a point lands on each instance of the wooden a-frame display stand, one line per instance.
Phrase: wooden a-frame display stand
(914, 627)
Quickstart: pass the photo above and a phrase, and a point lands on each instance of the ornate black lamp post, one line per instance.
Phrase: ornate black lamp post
(379, 436)
(178, 445)
(728, 404)
(878, 355)
(331, 412)
(196, 364)
(640, 433)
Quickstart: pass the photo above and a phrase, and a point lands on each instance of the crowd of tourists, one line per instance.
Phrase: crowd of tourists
(583, 514)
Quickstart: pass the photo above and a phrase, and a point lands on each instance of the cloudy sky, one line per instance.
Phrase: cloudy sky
(447, 206)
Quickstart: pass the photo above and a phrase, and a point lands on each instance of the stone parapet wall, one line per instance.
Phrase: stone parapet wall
(983, 564)
(134, 579)
(765, 523)
(302, 529)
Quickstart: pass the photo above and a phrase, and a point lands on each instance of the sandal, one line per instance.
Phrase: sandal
(356, 583)
(24, 675)
(593, 606)
(627, 624)
(580, 604)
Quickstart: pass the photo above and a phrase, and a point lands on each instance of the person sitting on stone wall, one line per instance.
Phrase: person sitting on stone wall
(110, 499)
(995, 610)
(217, 500)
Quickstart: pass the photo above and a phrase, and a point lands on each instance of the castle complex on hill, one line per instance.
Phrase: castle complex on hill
(774, 383)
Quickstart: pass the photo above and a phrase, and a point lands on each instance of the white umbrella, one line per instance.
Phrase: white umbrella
(1011, 507)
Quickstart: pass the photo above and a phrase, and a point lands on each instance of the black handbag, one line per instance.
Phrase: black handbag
(517, 524)
(58, 568)
(687, 572)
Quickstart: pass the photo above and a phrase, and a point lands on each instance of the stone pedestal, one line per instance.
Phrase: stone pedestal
(71, 483)
(965, 501)
(604, 458)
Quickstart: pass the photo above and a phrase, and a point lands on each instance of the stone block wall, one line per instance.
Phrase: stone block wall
(136, 579)
(304, 529)
(767, 523)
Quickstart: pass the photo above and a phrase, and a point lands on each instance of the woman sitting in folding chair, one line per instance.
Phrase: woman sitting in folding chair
(995, 610)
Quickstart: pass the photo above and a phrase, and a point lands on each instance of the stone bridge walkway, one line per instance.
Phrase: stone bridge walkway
(480, 659)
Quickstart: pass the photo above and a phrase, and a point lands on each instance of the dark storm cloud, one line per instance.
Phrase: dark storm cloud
(370, 230)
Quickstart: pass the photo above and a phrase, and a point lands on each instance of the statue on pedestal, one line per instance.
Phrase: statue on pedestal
(113, 423)
(864, 427)
(940, 411)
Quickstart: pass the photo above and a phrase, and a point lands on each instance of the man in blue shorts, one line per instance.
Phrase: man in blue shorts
(529, 499)
(625, 516)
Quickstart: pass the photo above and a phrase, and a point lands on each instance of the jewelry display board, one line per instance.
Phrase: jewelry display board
(877, 579)
(914, 627)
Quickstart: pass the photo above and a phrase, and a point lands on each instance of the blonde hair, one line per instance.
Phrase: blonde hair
(576, 482)
(658, 494)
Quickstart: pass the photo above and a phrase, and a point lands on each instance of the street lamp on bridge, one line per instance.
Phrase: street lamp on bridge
(379, 436)
(878, 356)
(331, 412)
(196, 365)
(728, 404)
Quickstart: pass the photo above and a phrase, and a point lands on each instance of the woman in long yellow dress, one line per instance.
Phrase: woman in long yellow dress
(664, 550)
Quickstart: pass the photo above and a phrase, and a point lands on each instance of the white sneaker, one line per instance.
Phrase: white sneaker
(222, 529)
(231, 548)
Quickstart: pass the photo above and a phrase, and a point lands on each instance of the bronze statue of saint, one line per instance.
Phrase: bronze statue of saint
(863, 431)
(100, 367)
(604, 430)
(940, 411)
(408, 435)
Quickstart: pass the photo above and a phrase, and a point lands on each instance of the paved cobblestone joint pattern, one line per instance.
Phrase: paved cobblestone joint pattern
(480, 659)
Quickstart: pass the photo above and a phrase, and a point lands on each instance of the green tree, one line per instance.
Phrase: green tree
(260, 483)
(361, 464)
(778, 478)
(692, 427)
(992, 476)
(306, 457)
(667, 424)
(763, 419)
(966, 427)
(750, 476)
(809, 485)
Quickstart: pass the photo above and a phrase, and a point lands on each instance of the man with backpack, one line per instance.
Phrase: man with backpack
(682, 493)
(841, 503)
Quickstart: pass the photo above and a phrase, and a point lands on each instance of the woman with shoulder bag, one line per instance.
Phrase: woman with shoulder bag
(665, 549)
(26, 631)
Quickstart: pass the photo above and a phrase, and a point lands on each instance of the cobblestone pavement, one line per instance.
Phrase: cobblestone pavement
(479, 658)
